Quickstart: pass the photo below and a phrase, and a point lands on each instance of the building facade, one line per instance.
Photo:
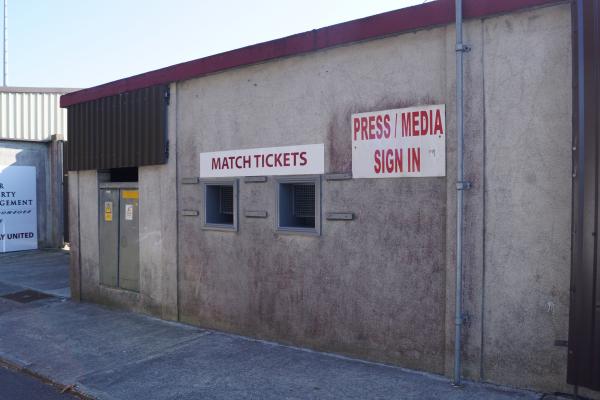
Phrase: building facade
(322, 257)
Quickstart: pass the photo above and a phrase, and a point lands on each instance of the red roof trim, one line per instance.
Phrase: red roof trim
(438, 12)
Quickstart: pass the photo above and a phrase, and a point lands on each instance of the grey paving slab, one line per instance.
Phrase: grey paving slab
(43, 270)
(65, 340)
(119, 355)
(7, 306)
(114, 354)
(219, 366)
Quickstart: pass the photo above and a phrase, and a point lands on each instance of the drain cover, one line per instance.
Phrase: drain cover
(26, 296)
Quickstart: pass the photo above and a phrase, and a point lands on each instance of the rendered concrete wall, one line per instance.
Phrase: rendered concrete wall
(380, 287)
(373, 287)
(528, 196)
(75, 264)
(517, 215)
(47, 160)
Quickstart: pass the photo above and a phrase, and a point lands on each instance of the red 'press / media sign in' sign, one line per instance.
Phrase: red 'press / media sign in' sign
(406, 142)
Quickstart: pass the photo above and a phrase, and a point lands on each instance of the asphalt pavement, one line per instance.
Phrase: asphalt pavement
(16, 385)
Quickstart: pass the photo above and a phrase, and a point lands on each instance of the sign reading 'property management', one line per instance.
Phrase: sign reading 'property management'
(406, 142)
(288, 160)
(18, 208)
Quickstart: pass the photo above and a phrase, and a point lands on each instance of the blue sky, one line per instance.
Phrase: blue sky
(82, 43)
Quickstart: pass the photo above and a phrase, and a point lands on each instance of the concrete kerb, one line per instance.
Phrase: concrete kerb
(21, 367)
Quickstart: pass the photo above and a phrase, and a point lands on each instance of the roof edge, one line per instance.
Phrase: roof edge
(439, 12)
(24, 89)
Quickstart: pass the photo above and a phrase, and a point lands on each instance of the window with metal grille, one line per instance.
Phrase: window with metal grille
(304, 200)
(226, 200)
(220, 205)
(298, 205)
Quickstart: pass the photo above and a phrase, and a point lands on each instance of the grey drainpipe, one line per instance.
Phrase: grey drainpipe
(580, 169)
(461, 186)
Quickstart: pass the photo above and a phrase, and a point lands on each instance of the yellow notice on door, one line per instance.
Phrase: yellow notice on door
(130, 194)
(108, 211)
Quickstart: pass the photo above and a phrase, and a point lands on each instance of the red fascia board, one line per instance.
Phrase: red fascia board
(423, 16)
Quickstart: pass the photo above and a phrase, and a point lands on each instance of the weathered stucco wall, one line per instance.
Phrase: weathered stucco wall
(379, 287)
(527, 58)
(373, 287)
(382, 286)
(518, 77)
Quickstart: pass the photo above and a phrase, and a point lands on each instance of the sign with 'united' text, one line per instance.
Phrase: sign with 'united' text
(305, 159)
(406, 142)
(18, 208)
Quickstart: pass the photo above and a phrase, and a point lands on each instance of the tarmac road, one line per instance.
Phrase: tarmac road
(16, 385)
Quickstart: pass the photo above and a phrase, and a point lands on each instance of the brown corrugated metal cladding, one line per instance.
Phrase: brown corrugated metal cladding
(584, 326)
(125, 130)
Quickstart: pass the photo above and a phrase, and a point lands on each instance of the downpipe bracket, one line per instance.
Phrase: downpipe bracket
(465, 48)
(464, 319)
(463, 185)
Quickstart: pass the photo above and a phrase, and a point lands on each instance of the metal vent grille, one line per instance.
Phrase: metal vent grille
(226, 200)
(304, 200)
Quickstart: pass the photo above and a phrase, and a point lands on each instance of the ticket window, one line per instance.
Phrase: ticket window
(220, 207)
(299, 205)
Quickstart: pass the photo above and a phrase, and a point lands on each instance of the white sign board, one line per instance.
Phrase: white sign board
(129, 212)
(18, 208)
(289, 160)
(406, 142)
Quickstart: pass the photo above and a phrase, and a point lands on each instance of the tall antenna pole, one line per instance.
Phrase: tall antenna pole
(4, 45)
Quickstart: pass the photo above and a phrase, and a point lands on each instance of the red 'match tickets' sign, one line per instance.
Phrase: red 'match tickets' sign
(288, 160)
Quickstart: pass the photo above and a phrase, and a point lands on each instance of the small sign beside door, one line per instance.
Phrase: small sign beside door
(129, 212)
(108, 211)
(130, 194)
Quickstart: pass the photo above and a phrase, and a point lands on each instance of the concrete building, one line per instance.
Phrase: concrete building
(364, 267)
(33, 129)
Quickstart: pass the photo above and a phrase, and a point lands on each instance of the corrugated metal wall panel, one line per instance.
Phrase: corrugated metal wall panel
(125, 130)
(34, 116)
